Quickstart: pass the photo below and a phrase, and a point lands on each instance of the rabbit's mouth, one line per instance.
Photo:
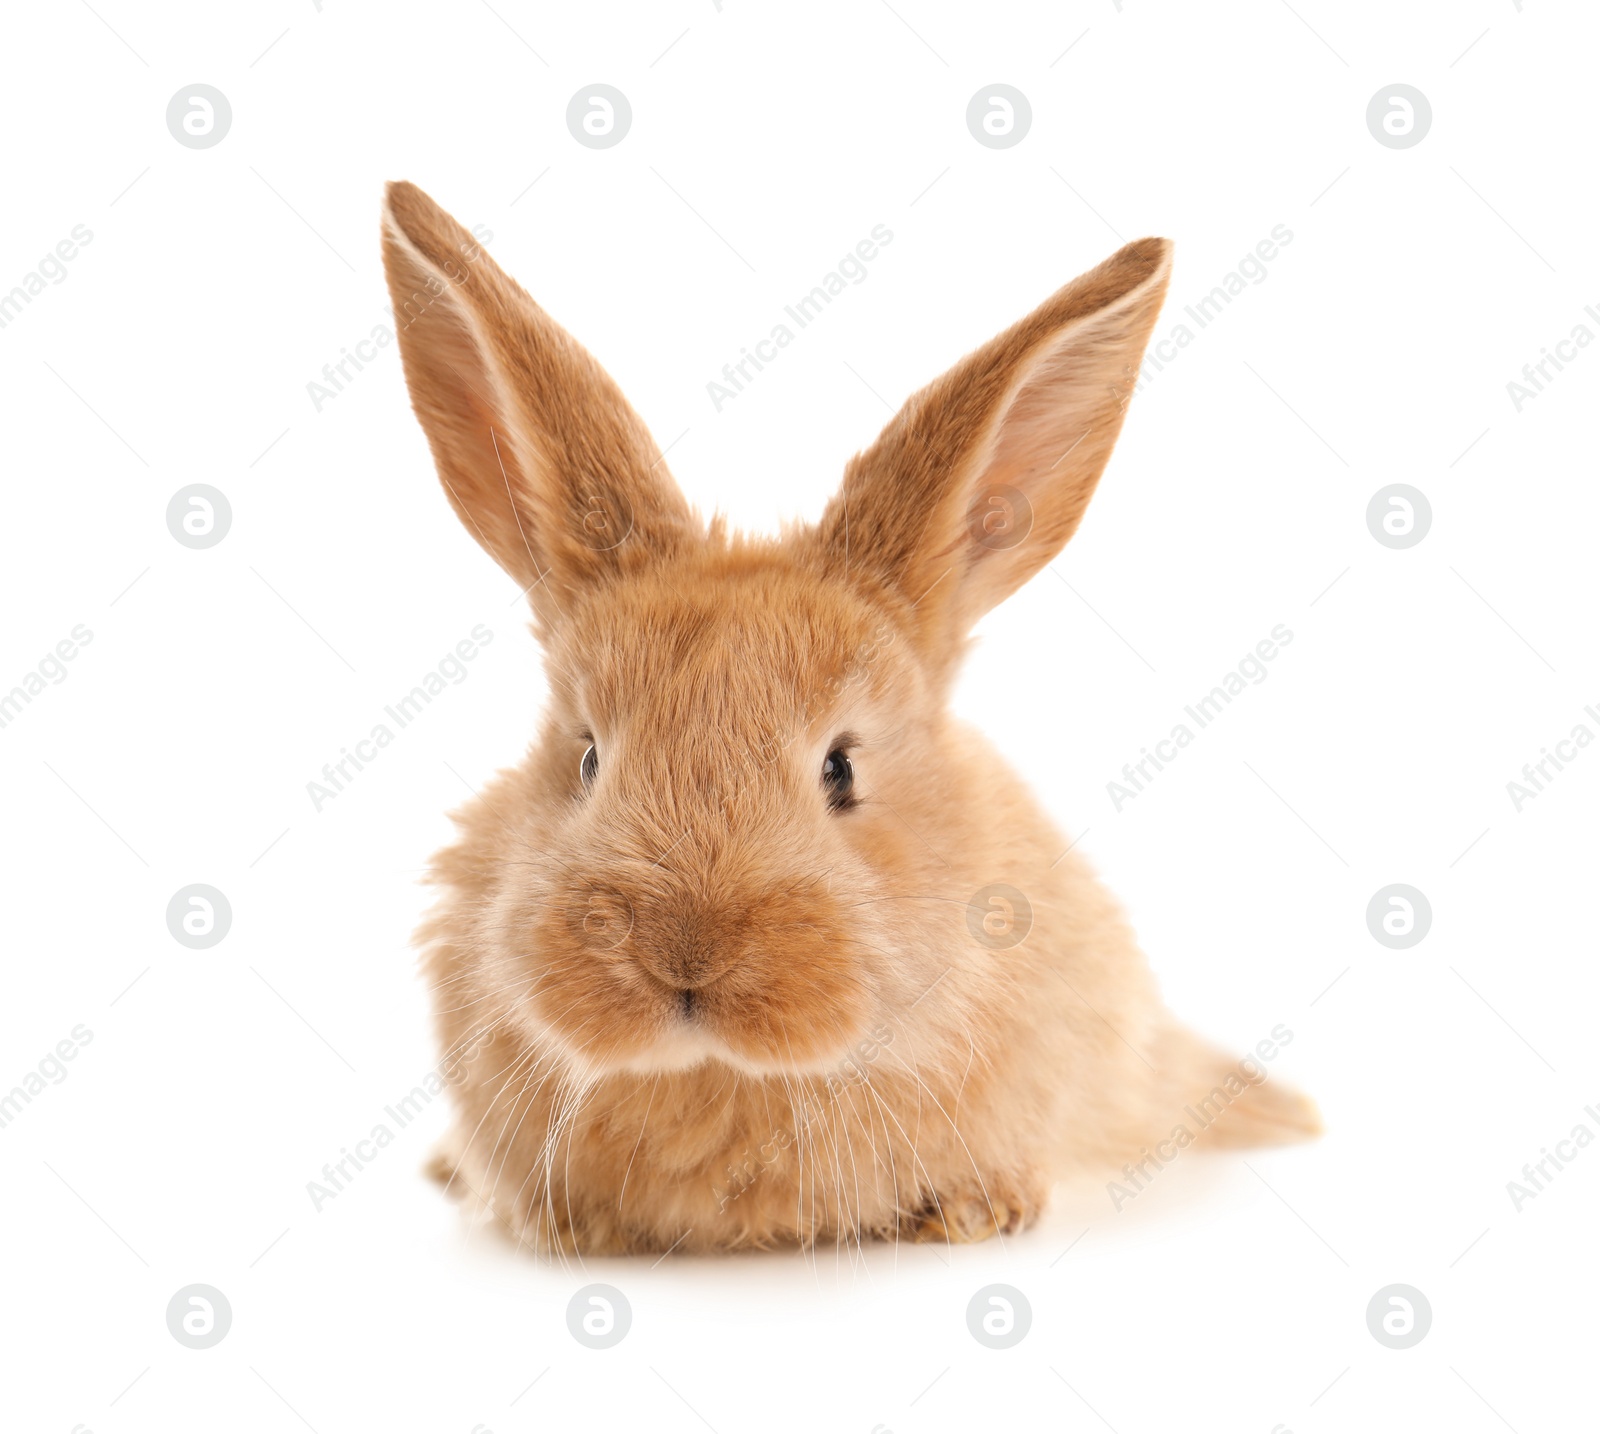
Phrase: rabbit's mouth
(664, 1030)
(701, 1026)
(683, 1039)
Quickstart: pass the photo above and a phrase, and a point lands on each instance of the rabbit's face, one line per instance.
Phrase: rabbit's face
(712, 837)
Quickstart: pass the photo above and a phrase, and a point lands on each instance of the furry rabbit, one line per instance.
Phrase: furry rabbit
(709, 967)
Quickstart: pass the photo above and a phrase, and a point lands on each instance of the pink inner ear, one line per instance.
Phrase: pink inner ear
(984, 474)
(455, 398)
(1069, 393)
(1047, 451)
(543, 459)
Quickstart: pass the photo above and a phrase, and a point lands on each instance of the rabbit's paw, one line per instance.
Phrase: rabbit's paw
(964, 1217)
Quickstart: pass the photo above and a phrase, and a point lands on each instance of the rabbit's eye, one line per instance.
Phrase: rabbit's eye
(589, 768)
(838, 779)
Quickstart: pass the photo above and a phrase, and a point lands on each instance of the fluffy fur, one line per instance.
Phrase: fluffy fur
(689, 1003)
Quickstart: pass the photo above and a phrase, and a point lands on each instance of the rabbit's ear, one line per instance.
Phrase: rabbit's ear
(982, 476)
(542, 458)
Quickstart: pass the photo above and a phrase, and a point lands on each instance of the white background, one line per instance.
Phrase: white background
(178, 349)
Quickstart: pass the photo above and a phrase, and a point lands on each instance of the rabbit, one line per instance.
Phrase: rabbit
(759, 946)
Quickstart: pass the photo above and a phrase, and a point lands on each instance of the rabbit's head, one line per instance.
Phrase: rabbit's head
(748, 824)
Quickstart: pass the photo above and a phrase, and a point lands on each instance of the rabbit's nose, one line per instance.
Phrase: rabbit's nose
(686, 949)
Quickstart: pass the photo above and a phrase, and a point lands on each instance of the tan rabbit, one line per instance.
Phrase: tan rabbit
(759, 945)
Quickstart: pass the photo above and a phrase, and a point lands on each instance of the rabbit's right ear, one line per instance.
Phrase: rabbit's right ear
(542, 457)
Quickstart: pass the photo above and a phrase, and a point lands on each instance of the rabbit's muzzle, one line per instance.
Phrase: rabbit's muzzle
(685, 946)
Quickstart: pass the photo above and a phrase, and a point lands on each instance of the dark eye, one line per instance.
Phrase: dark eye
(839, 779)
(589, 768)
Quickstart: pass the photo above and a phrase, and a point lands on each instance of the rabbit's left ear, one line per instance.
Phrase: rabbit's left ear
(982, 476)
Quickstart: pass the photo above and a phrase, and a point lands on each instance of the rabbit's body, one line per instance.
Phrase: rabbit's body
(760, 945)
